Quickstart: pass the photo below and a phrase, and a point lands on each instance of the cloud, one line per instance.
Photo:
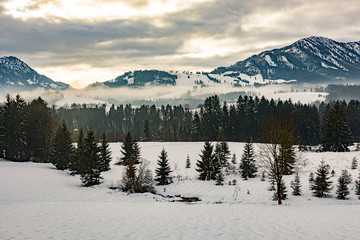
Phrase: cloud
(190, 35)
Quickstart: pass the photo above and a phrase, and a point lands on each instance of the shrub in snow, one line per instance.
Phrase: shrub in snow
(137, 181)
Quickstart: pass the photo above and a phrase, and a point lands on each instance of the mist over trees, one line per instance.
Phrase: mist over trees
(245, 117)
(27, 130)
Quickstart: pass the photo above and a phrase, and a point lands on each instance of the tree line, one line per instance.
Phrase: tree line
(27, 129)
(245, 117)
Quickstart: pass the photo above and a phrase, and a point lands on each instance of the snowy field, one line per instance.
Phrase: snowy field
(39, 202)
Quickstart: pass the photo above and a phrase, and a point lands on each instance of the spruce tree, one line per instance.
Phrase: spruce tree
(222, 151)
(247, 164)
(287, 153)
(342, 188)
(322, 183)
(163, 170)
(130, 148)
(296, 185)
(272, 184)
(354, 163)
(90, 165)
(357, 187)
(233, 159)
(311, 180)
(208, 165)
(188, 163)
(74, 165)
(337, 135)
(105, 154)
(283, 192)
(62, 149)
(219, 178)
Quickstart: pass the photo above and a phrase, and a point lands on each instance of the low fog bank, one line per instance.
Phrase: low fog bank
(190, 96)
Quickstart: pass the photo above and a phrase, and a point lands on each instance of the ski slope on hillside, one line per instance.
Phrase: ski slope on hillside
(39, 202)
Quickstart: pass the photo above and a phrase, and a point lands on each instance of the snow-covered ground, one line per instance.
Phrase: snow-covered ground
(39, 202)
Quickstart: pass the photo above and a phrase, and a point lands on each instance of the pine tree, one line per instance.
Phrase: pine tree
(322, 184)
(342, 188)
(208, 165)
(105, 154)
(247, 164)
(233, 159)
(222, 151)
(130, 148)
(90, 165)
(287, 153)
(283, 192)
(188, 163)
(311, 181)
(296, 185)
(163, 170)
(354, 163)
(219, 178)
(62, 150)
(272, 184)
(357, 187)
(337, 135)
(74, 165)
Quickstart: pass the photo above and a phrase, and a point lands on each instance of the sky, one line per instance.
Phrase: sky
(80, 42)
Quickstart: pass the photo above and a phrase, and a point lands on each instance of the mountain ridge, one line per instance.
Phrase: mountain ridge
(17, 75)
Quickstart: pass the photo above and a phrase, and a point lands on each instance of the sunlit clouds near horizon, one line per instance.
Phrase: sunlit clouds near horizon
(81, 42)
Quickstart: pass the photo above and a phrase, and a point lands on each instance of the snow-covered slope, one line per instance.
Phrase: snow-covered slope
(39, 202)
(17, 75)
(312, 59)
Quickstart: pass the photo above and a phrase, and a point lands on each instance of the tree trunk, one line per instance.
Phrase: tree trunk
(278, 190)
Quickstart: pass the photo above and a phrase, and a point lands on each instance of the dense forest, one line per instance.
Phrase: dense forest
(27, 129)
(245, 118)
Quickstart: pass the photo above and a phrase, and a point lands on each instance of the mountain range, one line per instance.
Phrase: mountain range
(308, 60)
(17, 75)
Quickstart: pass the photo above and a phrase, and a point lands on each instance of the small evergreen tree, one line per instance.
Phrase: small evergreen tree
(233, 159)
(208, 165)
(311, 180)
(105, 154)
(296, 185)
(90, 165)
(188, 163)
(163, 171)
(357, 187)
(220, 178)
(130, 148)
(283, 192)
(322, 184)
(62, 150)
(354, 163)
(272, 184)
(222, 151)
(247, 164)
(342, 188)
(74, 165)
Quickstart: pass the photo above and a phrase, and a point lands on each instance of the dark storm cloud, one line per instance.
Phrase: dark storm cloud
(257, 25)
